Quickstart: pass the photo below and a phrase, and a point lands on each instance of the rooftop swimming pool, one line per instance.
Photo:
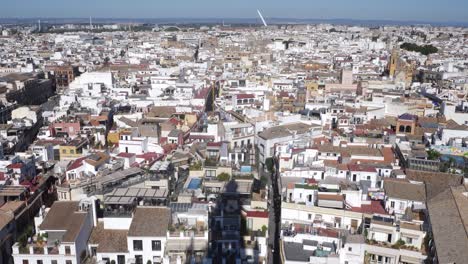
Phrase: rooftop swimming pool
(194, 184)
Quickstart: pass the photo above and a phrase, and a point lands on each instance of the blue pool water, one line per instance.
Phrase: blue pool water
(194, 184)
(247, 169)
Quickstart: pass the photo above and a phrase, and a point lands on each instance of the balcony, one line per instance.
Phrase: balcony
(36, 248)
(399, 245)
(118, 213)
(182, 233)
(211, 163)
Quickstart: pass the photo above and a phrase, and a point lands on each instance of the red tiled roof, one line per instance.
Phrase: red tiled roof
(327, 232)
(15, 166)
(388, 154)
(330, 163)
(312, 182)
(203, 93)
(125, 155)
(173, 121)
(76, 164)
(149, 156)
(245, 96)
(169, 147)
(214, 144)
(257, 214)
(357, 167)
(375, 207)
(342, 167)
(331, 197)
(2, 176)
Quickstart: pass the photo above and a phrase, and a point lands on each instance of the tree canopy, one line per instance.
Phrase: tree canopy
(425, 50)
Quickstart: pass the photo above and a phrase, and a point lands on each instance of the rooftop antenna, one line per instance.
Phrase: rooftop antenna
(261, 17)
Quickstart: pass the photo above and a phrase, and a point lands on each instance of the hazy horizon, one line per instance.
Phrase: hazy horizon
(397, 10)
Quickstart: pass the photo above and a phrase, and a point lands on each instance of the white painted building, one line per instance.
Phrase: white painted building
(62, 234)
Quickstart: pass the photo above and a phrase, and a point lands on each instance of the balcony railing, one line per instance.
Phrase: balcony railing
(187, 233)
(118, 214)
(35, 249)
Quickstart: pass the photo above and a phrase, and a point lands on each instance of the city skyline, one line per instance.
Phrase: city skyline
(417, 11)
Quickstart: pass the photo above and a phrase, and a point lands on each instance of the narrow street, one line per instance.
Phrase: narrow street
(274, 221)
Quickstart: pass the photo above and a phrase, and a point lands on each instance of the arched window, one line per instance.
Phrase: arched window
(402, 128)
(408, 129)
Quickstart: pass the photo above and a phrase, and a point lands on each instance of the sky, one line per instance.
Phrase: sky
(397, 10)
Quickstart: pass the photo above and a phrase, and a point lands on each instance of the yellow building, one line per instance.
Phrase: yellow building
(392, 67)
(113, 137)
(73, 149)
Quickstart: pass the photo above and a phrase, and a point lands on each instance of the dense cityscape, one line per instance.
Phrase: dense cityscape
(141, 143)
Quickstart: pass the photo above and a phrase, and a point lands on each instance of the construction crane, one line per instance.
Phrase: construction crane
(261, 17)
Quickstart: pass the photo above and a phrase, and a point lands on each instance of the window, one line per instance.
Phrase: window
(72, 151)
(402, 206)
(368, 178)
(137, 245)
(39, 261)
(210, 173)
(409, 240)
(392, 204)
(25, 261)
(64, 151)
(67, 250)
(93, 251)
(120, 259)
(310, 216)
(68, 262)
(156, 245)
(138, 259)
(350, 249)
(53, 262)
(106, 260)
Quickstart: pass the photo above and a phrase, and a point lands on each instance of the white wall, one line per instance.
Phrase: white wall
(147, 251)
(120, 223)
